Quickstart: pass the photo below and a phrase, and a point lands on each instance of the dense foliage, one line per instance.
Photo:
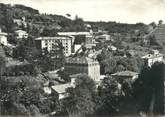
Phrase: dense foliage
(149, 89)
(24, 96)
(81, 100)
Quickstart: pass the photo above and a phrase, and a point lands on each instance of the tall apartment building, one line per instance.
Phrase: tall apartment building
(83, 65)
(49, 42)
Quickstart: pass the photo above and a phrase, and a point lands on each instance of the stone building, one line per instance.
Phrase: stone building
(83, 65)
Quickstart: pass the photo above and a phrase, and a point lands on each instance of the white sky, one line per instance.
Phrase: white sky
(129, 11)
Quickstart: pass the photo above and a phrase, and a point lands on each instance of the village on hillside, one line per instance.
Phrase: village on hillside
(53, 66)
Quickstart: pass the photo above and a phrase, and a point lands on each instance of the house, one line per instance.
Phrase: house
(58, 89)
(49, 42)
(20, 34)
(113, 48)
(61, 89)
(152, 57)
(103, 37)
(17, 21)
(85, 65)
(20, 22)
(3, 38)
(125, 75)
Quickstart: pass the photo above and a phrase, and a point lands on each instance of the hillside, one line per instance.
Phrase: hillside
(47, 23)
(114, 27)
(35, 20)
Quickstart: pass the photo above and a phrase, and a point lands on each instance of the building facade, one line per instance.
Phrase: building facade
(80, 38)
(20, 34)
(49, 42)
(85, 65)
(153, 57)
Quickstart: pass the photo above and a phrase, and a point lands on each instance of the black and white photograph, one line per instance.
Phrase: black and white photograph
(82, 58)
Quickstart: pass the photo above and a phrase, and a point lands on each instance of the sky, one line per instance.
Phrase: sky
(125, 11)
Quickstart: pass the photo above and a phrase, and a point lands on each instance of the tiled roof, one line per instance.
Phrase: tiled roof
(61, 88)
(80, 60)
(74, 33)
(125, 73)
(54, 38)
(17, 31)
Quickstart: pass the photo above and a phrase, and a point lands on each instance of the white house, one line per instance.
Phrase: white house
(104, 37)
(153, 57)
(3, 37)
(20, 34)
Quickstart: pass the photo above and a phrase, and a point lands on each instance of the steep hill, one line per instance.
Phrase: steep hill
(114, 27)
(159, 34)
(53, 23)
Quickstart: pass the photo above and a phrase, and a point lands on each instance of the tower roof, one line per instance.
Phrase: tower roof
(80, 60)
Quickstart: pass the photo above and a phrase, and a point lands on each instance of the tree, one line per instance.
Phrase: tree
(153, 24)
(20, 51)
(64, 75)
(19, 96)
(110, 96)
(110, 65)
(81, 100)
(153, 40)
(149, 89)
(49, 32)
(57, 55)
(8, 19)
(160, 22)
(2, 65)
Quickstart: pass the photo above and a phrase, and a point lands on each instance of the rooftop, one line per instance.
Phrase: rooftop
(75, 75)
(61, 88)
(74, 33)
(17, 31)
(125, 73)
(151, 56)
(80, 60)
(13, 62)
(54, 38)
